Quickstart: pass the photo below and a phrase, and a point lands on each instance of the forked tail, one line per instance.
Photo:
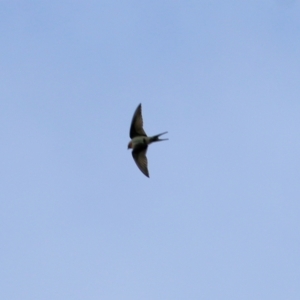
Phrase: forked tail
(156, 138)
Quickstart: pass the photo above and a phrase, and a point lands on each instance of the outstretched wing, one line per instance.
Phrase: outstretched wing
(139, 156)
(136, 128)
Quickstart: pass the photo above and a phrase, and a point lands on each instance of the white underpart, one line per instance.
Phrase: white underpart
(139, 140)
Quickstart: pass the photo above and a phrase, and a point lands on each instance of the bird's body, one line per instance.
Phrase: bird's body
(140, 141)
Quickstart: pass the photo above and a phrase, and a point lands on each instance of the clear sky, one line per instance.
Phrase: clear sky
(219, 216)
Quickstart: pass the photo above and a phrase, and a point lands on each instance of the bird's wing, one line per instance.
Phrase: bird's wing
(139, 156)
(136, 128)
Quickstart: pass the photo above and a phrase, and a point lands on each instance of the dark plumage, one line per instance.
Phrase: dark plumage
(140, 141)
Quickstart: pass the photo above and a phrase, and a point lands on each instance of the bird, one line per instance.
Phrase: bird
(140, 141)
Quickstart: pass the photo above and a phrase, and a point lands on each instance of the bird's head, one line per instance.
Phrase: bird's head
(129, 145)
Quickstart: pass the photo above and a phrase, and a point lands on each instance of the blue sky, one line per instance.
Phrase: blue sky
(219, 216)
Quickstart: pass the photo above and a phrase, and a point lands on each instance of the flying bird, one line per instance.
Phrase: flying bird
(140, 141)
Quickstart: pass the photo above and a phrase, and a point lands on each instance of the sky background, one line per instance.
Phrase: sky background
(219, 216)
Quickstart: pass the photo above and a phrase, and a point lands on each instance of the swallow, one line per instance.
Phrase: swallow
(140, 141)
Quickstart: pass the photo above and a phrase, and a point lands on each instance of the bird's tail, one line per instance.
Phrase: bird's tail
(156, 138)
